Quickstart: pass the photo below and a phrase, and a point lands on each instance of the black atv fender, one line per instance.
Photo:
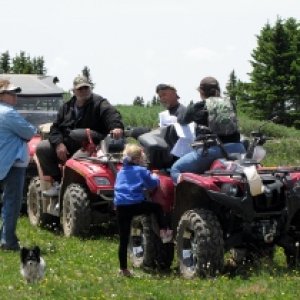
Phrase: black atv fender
(190, 195)
(243, 206)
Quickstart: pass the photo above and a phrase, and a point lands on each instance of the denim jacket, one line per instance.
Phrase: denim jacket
(15, 131)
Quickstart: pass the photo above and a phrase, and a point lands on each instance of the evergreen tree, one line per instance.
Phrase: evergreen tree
(5, 62)
(139, 101)
(155, 101)
(22, 64)
(86, 72)
(38, 65)
(275, 78)
(231, 88)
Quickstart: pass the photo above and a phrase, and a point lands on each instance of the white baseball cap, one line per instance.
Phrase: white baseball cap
(6, 86)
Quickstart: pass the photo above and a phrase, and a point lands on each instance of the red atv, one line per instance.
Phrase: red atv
(218, 211)
(86, 193)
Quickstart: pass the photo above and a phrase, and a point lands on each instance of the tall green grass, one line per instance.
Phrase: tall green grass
(140, 115)
(87, 269)
(283, 149)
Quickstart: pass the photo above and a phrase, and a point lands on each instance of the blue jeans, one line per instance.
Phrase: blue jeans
(12, 186)
(197, 162)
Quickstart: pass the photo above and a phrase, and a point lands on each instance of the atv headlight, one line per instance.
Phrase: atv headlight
(99, 180)
(229, 189)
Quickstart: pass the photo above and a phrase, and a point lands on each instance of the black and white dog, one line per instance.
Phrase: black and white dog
(32, 264)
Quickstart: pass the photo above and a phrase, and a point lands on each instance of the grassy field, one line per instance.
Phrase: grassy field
(87, 269)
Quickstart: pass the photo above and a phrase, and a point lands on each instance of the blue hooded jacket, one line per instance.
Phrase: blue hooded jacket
(131, 182)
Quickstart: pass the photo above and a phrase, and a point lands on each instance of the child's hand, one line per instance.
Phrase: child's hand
(155, 176)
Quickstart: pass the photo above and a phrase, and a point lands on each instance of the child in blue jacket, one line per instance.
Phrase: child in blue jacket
(131, 182)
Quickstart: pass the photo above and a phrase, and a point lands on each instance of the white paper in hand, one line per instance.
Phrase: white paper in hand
(185, 131)
(165, 119)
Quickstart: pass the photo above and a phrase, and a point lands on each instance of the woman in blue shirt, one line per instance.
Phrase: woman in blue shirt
(15, 131)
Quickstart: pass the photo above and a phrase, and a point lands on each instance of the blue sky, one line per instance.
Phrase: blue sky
(132, 45)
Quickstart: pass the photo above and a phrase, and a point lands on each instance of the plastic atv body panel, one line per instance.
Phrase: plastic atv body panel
(87, 170)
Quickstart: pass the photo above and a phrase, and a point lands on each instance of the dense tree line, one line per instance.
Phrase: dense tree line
(139, 101)
(22, 63)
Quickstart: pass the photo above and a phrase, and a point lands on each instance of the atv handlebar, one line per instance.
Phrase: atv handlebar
(83, 136)
(135, 132)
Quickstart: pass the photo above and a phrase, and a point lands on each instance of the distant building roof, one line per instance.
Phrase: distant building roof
(34, 85)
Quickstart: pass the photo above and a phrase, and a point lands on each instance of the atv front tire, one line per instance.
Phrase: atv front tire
(76, 211)
(200, 244)
(34, 204)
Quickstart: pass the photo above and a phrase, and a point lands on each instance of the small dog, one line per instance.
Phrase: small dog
(32, 264)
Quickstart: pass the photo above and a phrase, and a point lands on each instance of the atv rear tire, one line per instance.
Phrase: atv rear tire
(76, 211)
(200, 244)
(141, 244)
(34, 204)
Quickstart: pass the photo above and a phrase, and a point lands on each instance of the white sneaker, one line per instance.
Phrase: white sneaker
(53, 191)
(166, 235)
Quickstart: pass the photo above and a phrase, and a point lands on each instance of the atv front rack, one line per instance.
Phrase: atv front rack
(262, 170)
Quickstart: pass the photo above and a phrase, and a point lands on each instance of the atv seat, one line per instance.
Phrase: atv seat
(157, 145)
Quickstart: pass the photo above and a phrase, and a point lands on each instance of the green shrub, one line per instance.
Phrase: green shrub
(270, 129)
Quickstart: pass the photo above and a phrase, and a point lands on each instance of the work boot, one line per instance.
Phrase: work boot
(53, 191)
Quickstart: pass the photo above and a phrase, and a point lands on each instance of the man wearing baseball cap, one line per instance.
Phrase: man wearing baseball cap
(169, 99)
(84, 110)
(15, 131)
(7, 87)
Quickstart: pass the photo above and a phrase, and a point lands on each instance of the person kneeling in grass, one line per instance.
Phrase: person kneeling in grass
(131, 182)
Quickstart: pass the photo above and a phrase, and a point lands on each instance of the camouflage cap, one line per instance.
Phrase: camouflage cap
(80, 81)
(6, 86)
